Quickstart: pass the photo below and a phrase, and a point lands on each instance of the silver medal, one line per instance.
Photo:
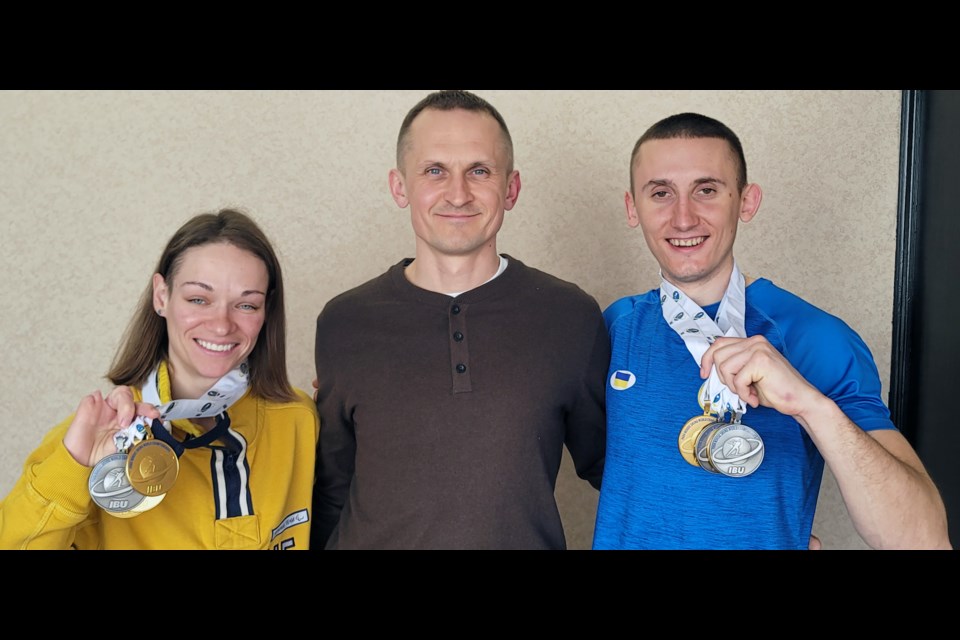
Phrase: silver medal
(735, 450)
(702, 448)
(110, 488)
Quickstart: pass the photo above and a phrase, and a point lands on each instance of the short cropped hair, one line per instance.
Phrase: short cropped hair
(448, 101)
(693, 125)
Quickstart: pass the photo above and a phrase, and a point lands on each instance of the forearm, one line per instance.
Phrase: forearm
(47, 504)
(586, 428)
(891, 499)
(326, 515)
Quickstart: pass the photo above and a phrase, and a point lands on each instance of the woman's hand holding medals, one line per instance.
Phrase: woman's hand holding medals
(90, 437)
(97, 437)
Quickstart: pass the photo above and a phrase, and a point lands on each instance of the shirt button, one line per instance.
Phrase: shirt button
(461, 368)
(455, 309)
(457, 336)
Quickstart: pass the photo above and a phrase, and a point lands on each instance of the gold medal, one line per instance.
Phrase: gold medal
(703, 400)
(152, 468)
(148, 502)
(689, 434)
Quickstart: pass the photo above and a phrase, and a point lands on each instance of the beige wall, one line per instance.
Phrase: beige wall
(93, 183)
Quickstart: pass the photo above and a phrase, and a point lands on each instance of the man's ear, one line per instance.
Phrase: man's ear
(397, 188)
(633, 218)
(750, 201)
(513, 190)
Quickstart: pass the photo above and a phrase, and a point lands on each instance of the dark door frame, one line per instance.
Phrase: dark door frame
(905, 274)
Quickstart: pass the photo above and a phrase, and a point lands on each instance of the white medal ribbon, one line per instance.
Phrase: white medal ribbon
(215, 401)
(698, 331)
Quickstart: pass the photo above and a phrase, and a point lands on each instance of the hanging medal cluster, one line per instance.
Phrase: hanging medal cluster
(721, 446)
(147, 462)
(137, 477)
(716, 441)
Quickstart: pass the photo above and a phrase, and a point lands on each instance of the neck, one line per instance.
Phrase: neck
(709, 290)
(185, 389)
(704, 294)
(205, 423)
(444, 273)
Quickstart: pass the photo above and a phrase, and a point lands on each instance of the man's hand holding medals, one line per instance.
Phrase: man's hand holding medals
(716, 441)
(760, 375)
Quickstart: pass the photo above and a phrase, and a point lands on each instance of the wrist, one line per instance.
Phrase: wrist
(817, 409)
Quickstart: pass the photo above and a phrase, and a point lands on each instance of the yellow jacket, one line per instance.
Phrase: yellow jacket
(272, 481)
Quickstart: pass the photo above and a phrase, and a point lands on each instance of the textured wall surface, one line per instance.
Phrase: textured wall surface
(93, 183)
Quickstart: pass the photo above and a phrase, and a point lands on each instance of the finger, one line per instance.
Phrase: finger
(742, 376)
(729, 357)
(77, 439)
(708, 360)
(717, 351)
(121, 401)
(148, 410)
(316, 384)
(88, 408)
(815, 544)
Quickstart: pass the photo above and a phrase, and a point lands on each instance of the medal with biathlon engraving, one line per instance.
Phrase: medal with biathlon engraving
(152, 467)
(728, 448)
(702, 446)
(687, 441)
(109, 483)
(735, 450)
(110, 488)
(148, 502)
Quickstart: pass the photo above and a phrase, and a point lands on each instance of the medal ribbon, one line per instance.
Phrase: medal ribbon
(698, 331)
(215, 402)
(218, 431)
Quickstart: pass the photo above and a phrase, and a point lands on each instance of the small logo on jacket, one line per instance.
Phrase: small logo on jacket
(622, 380)
(295, 518)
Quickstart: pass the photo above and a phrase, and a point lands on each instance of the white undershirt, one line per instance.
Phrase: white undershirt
(503, 267)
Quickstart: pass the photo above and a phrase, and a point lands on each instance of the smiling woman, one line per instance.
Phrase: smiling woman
(203, 367)
(214, 307)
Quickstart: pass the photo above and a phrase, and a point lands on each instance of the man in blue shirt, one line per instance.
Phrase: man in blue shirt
(726, 393)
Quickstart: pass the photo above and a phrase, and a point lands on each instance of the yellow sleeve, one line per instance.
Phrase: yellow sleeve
(49, 501)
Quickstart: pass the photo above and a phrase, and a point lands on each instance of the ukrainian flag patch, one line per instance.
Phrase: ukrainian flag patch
(622, 380)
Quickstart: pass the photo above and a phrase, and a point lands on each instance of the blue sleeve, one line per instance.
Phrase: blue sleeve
(833, 358)
(618, 309)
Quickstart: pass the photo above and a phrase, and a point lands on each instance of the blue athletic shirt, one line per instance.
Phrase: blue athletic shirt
(651, 498)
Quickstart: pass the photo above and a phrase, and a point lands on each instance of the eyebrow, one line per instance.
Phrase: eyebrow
(659, 183)
(426, 164)
(705, 180)
(662, 182)
(204, 285)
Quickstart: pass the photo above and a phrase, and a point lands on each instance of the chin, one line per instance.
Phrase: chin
(217, 370)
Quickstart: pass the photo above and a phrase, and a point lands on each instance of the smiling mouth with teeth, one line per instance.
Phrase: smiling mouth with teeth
(210, 346)
(686, 242)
